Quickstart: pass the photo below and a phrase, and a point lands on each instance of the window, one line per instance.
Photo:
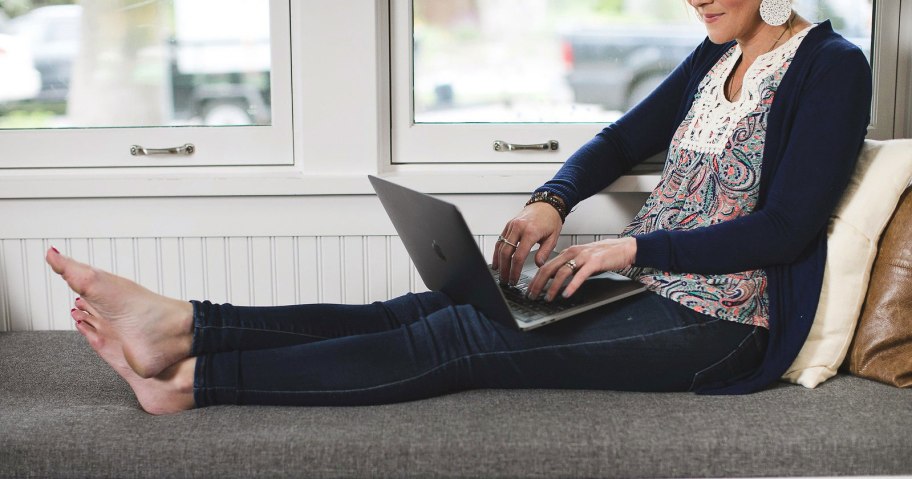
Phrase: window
(467, 74)
(346, 67)
(120, 83)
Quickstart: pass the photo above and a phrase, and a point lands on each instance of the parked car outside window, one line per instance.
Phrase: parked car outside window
(617, 66)
(53, 36)
(20, 80)
(203, 72)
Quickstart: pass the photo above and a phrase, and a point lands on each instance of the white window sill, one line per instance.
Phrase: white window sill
(287, 181)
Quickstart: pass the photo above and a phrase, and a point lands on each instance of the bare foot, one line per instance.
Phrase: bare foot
(154, 331)
(169, 392)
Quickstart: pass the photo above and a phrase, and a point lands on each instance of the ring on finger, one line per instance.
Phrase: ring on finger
(504, 240)
(571, 264)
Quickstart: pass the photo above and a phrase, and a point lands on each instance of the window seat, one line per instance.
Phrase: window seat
(64, 413)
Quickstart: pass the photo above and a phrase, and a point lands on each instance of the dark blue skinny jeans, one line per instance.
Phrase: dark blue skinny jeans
(422, 345)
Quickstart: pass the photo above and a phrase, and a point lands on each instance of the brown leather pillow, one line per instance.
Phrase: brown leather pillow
(882, 347)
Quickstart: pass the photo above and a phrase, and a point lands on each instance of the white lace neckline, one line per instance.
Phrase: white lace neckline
(714, 116)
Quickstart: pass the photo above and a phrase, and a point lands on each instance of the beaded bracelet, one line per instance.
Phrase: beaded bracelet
(547, 197)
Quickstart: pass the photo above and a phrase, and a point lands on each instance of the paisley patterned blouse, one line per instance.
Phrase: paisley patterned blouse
(712, 174)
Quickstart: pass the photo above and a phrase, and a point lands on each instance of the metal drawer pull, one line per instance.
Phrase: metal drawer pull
(187, 149)
(551, 145)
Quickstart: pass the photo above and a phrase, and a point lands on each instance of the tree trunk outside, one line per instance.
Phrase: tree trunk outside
(120, 76)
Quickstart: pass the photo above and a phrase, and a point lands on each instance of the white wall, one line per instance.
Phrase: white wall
(244, 250)
(249, 270)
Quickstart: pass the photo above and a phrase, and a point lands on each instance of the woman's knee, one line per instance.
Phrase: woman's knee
(411, 307)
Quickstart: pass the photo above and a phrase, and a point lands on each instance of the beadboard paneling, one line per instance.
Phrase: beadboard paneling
(263, 270)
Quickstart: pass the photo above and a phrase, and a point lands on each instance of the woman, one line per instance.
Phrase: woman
(762, 122)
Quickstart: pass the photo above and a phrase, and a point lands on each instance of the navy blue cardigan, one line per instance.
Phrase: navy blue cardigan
(815, 130)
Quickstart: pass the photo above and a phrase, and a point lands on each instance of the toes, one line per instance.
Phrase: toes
(91, 334)
(85, 326)
(79, 276)
(85, 306)
(81, 316)
(55, 260)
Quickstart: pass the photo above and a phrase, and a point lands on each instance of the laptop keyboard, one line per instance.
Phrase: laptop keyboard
(524, 308)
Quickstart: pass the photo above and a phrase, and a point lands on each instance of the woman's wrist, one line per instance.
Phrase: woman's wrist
(631, 251)
(555, 201)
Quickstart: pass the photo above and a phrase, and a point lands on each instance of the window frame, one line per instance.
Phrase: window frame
(327, 158)
(214, 146)
(472, 143)
(433, 143)
(886, 53)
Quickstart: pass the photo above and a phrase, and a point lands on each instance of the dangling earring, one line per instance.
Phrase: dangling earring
(775, 12)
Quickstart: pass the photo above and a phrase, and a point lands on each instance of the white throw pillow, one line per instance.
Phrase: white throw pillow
(883, 172)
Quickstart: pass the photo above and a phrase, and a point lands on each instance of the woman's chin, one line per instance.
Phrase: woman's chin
(718, 37)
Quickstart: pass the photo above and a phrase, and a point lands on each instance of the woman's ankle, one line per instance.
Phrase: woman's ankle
(176, 389)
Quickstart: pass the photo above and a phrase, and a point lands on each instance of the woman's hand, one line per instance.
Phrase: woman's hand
(581, 262)
(537, 223)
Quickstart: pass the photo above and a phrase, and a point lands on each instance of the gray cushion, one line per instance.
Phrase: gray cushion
(63, 412)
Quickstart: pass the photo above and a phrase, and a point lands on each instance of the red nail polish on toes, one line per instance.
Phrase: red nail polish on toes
(78, 321)
(55, 250)
(74, 309)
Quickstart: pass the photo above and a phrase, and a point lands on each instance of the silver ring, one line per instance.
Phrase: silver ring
(571, 264)
(502, 239)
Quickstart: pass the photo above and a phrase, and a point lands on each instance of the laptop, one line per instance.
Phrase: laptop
(448, 259)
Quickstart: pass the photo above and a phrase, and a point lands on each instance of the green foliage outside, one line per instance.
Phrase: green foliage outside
(14, 8)
(25, 119)
(588, 7)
